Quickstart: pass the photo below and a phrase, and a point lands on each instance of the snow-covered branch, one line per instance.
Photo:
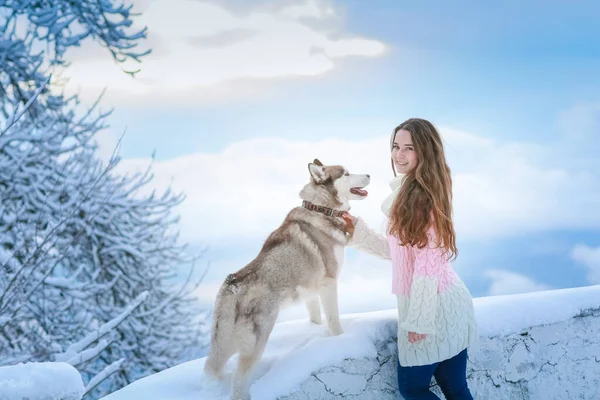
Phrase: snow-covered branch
(104, 329)
(87, 355)
(19, 113)
(105, 373)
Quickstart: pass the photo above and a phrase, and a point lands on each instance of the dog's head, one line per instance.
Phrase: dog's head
(333, 185)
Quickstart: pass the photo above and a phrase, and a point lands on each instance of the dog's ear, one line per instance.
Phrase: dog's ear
(317, 172)
(319, 163)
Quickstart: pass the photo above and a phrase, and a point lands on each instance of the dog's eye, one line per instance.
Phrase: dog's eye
(347, 174)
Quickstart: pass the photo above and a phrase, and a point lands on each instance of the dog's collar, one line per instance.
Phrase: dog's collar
(325, 210)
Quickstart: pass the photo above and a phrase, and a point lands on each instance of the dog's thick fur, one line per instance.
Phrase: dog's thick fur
(300, 260)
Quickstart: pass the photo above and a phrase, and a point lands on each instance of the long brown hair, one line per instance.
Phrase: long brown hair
(426, 194)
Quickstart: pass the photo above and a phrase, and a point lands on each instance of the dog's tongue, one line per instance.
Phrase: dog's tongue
(360, 192)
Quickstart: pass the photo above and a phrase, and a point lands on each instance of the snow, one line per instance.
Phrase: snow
(40, 381)
(502, 315)
(295, 349)
(298, 349)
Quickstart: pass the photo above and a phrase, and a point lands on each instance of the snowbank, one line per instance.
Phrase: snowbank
(536, 345)
(40, 381)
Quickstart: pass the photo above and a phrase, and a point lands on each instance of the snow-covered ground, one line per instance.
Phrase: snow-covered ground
(536, 345)
(40, 381)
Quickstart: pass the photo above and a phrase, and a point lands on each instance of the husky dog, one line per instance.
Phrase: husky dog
(300, 260)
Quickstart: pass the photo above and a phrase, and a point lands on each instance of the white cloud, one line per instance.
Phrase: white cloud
(246, 190)
(501, 189)
(590, 258)
(507, 282)
(203, 51)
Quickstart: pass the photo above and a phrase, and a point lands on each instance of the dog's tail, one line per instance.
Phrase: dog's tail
(222, 341)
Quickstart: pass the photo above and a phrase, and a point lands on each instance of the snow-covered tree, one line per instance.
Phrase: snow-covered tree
(87, 263)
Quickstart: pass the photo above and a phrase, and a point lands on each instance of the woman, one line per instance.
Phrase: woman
(436, 320)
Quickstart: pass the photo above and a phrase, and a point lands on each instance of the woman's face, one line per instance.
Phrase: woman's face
(403, 152)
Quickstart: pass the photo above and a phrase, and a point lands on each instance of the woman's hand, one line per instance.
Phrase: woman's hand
(415, 337)
(350, 222)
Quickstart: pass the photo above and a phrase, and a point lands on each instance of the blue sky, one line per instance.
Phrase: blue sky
(238, 96)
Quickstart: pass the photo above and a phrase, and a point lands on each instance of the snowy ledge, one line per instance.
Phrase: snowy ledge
(531, 346)
(40, 381)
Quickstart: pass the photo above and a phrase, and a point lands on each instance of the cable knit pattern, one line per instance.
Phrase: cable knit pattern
(432, 299)
(367, 240)
(422, 306)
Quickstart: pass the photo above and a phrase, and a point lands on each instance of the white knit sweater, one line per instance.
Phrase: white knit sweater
(432, 299)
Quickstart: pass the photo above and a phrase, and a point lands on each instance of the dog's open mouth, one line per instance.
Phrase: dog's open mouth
(359, 191)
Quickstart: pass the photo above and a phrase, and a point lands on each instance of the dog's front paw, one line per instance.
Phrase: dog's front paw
(237, 395)
(316, 320)
(210, 374)
(336, 331)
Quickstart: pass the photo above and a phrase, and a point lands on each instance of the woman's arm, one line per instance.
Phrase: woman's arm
(367, 240)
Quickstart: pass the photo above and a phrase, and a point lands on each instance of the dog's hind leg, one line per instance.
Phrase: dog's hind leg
(329, 297)
(250, 352)
(314, 310)
(217, 360)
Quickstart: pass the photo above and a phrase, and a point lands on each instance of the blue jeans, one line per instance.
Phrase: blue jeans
(451, 376)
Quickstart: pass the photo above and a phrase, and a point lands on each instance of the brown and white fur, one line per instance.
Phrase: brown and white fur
(299, 261)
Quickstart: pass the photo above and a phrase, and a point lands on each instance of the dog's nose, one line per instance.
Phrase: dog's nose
(368, 176)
